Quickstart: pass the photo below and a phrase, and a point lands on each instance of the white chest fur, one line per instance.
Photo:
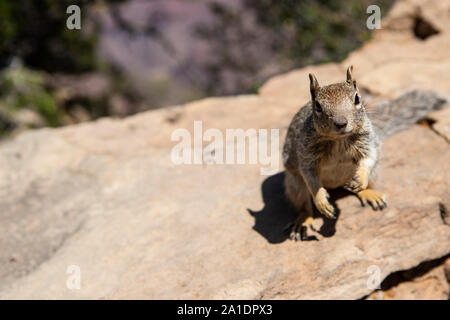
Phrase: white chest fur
(338, 168)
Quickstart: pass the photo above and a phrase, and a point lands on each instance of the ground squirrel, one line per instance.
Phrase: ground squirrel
(331, 142)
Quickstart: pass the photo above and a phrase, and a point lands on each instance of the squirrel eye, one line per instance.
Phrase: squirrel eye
(356, 99)
(318, 107)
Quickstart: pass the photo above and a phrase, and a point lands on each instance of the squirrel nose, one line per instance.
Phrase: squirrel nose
(340, 122)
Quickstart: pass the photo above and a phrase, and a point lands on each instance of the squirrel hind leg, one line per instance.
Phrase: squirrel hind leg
(302, 227)
(299, 197)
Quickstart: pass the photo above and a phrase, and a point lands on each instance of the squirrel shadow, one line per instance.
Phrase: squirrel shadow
(274, 220)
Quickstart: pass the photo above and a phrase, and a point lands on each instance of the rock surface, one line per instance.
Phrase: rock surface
(106, 197)
(430, 285)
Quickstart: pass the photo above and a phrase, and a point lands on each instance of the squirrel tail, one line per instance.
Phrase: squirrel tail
(399, 114)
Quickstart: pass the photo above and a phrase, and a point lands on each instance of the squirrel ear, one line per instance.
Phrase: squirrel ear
(349, 74)
(313, 85)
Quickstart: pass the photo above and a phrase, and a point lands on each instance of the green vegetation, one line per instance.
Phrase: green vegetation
(21, 88)
(36, 32)
(286, 33)
(317, 30)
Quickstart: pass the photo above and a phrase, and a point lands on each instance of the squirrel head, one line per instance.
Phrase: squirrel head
(337, 108)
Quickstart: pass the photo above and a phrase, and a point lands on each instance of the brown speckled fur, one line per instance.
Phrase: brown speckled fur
(318, 154)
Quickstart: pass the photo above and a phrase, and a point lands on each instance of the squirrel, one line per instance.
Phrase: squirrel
(331, 143)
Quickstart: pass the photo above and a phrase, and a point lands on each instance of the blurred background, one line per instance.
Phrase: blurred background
(136, 55)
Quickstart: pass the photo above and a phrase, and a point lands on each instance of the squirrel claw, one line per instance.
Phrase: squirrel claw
(323, 205)
(326, 209)
(355, 185)
(329, 215)
(375, 199)
(297, 232)
(296, 236)
(301, 235)
(300, 229)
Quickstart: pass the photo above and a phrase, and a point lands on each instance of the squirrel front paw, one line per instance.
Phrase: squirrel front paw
(376, 199)
(358, 183)
(322, 203)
